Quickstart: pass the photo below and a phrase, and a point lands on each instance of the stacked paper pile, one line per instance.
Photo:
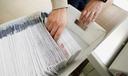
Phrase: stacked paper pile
(27, 49)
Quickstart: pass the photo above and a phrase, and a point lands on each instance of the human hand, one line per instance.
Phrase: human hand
(91, 11)
(57, 20)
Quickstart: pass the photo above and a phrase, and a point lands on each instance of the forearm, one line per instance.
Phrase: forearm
(56, 4)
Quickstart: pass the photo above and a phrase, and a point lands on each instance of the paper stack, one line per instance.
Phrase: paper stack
(27, 48)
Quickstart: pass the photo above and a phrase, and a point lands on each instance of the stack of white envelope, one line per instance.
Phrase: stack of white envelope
(27, 48)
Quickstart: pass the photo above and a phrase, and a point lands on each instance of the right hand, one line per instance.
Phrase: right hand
(57, 20)
(91, 11)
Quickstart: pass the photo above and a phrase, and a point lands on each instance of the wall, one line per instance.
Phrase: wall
(11, 9)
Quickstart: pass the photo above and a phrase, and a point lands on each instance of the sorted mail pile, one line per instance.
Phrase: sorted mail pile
(27, 48)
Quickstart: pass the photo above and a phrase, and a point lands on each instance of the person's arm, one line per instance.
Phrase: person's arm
(59, 4)
(57, 19)
(92, 10)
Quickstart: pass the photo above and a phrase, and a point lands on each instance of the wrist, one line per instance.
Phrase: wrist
(60, 9)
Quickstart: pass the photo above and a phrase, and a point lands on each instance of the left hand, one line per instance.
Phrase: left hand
(91, 11)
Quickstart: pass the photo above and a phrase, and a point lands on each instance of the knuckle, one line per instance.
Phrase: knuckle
(58, 34)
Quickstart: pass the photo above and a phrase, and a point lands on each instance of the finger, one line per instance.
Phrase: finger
(95, 16)
(90, 19)
(58, 33)
(82, 14)
(48, 23)
(51, 26)
(54, 30)
(84, 19)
